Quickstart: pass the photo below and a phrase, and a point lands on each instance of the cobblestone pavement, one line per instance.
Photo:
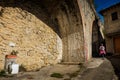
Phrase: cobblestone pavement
(96, 69)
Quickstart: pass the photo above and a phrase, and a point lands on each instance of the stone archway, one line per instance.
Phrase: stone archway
(68, 25)
(42, 32)
(71, 30)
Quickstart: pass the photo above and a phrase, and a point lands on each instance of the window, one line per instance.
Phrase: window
(114, 16)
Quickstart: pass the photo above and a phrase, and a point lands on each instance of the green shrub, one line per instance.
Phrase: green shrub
(2, 73)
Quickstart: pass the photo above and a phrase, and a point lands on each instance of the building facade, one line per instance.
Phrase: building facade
(112, 28)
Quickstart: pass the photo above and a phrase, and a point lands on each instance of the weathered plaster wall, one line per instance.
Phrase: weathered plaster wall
(88, 18)
(109, 45)
(110, 25)
(37, 43)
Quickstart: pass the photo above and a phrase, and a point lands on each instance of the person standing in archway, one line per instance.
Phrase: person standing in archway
(102, 51)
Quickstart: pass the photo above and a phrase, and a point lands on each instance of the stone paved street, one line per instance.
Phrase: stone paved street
(96, 69)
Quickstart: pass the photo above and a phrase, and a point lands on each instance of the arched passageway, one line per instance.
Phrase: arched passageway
(97, 39)
(44, 31)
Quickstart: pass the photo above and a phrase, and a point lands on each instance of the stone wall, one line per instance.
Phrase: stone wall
(109, 45)
(37, 43)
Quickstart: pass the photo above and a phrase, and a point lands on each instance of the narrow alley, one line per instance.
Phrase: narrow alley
(59, 39)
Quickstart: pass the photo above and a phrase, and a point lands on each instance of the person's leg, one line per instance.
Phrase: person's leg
(103, 56)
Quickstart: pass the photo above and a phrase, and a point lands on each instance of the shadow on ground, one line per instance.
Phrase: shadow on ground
(115, 61)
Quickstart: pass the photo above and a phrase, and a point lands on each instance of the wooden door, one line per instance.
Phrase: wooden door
(117, 45)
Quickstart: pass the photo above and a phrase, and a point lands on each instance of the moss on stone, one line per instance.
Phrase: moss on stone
(57, 75)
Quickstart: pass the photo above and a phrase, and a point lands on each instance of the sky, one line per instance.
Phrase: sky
(103, 4)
